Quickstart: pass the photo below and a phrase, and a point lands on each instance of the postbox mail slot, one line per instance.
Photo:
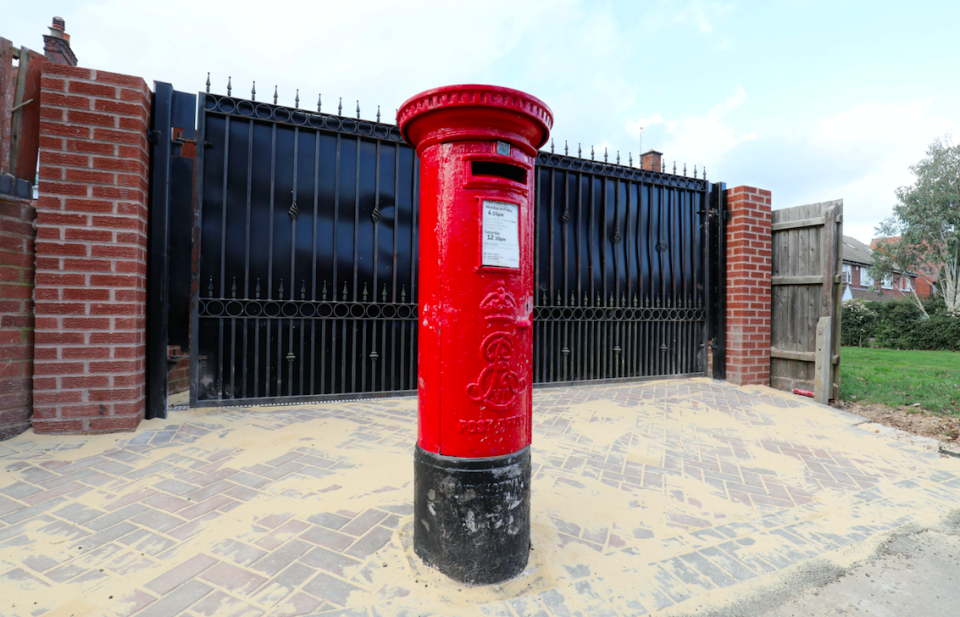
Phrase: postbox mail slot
(499, 170)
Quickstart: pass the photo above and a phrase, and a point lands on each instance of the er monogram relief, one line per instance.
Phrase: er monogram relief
(499, 383)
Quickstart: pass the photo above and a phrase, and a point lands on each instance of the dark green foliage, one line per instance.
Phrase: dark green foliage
(940, 332)
(893, 319)
(900, 325)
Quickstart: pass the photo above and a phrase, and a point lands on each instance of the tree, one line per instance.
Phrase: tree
(927, 221)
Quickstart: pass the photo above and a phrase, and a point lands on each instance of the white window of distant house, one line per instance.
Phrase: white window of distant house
(847, 275)
(887, 282)
(865, 278)
(905, 283)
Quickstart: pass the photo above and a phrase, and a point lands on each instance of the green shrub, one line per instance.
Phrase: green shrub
(901, 325)
(894, 319)
(934, 306)
(940, 332)
(858, 323)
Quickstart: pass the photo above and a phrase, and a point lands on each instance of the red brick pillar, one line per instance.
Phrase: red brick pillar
(16, 305)
(90, 367)
(748, 286)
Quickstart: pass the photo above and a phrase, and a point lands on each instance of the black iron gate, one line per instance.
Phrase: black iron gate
(306, 288)
(307, 283)
(620, 278)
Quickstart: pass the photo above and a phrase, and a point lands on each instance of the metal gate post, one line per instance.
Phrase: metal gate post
(170, 212)
(158, 258)
(717, 279)
(195, 254)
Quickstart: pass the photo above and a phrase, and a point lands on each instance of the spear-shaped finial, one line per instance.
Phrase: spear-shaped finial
(618, 157)
(340, 107)
(253, 91)
(630, 158)
(591, 153)
(551, 146)
(684, 170)
(208, 81)
(229, 85)
(704, 172)
(579, 152)
(319, 102)
(674, 168)
(566, 148)
(663, 166)
(274, 95)
(296, 101)
(605, 160)
(378, 113)
(694, 171)
(358, 109)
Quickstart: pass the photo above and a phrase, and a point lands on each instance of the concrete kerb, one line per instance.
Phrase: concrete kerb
(807, 578)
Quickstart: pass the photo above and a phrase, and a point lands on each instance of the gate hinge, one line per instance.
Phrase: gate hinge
(176, 136)
(153, 137)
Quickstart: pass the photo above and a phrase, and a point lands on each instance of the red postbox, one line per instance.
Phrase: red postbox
(477, 147)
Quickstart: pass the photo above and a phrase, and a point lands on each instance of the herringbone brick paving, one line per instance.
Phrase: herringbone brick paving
(645, 496)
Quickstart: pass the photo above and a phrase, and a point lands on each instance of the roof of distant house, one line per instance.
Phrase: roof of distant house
(856, 252)
(927, 270)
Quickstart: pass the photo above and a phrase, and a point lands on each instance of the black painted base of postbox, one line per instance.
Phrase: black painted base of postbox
(471, 516)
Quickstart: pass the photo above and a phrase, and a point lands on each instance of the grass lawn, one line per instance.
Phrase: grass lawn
(895, 378)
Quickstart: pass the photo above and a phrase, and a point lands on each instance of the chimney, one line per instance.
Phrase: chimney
(56, 45)
(650, 160)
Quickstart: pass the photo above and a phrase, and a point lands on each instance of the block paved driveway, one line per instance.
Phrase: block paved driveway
(657, 496)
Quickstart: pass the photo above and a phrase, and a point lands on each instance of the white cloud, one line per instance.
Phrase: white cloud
(698, 138)
(874, 144)
(379, 51)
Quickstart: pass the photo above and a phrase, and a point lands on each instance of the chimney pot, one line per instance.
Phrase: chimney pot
(56, 45)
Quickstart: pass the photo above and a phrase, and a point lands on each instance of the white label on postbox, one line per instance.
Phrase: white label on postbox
(501, 234)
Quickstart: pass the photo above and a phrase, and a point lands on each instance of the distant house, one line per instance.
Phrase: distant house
(925, 280)
(857, 283)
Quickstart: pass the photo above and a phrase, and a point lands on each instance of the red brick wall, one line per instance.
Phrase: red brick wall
(924, 289)
(16, 315)
(749, 270)
(89, 371)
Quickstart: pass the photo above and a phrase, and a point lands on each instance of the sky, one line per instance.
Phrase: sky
(812, 100)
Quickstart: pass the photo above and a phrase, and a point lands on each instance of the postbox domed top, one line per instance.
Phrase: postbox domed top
(473, 111)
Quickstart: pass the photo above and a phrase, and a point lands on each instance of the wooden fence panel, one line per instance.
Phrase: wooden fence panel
(805, 291)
